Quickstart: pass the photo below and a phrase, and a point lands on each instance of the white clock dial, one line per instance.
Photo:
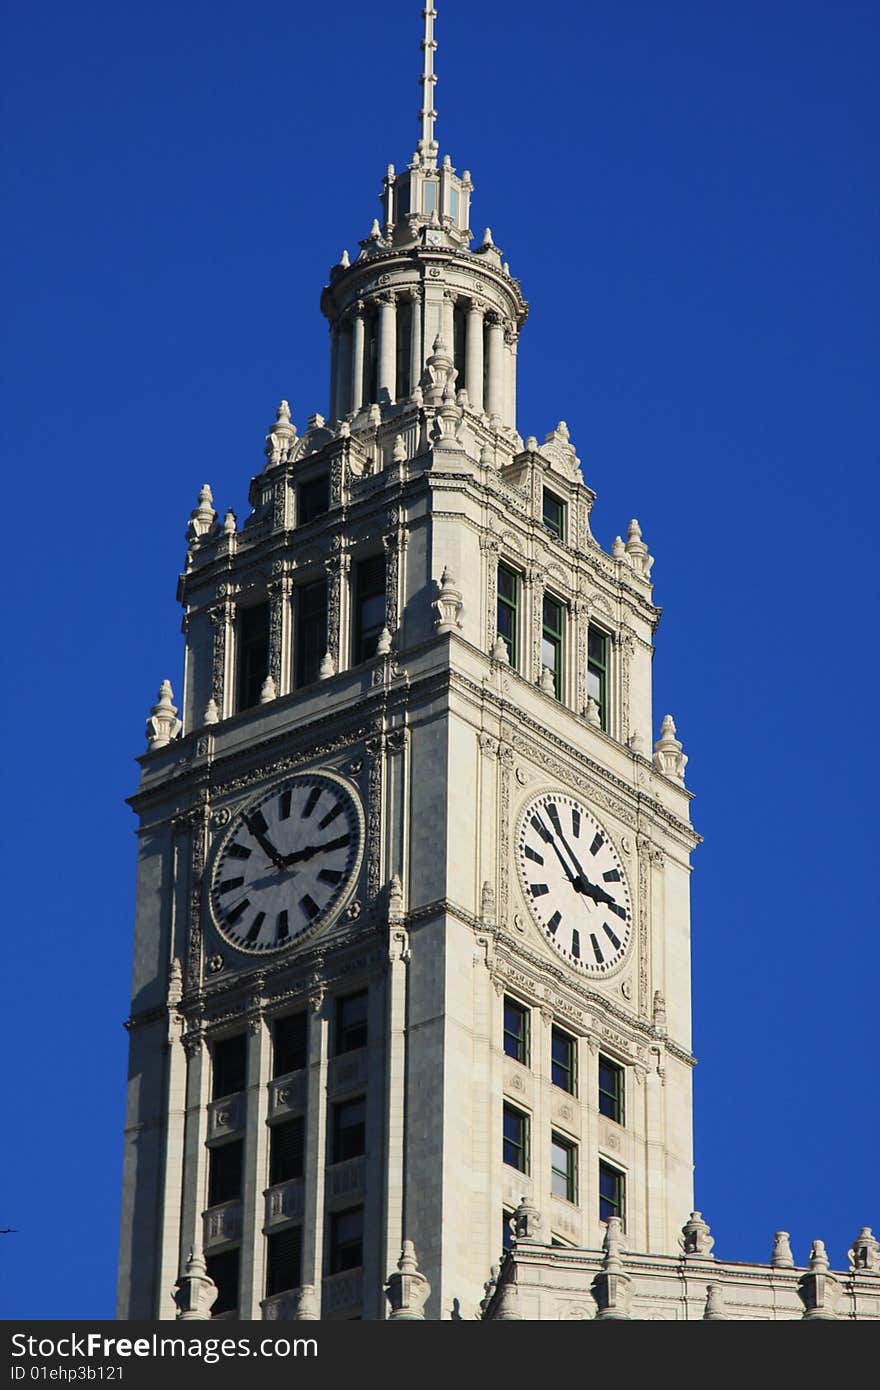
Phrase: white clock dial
(574, 883)
(286, 862)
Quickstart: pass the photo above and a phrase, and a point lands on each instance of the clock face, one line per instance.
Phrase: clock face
(287, 860)
(574, 883)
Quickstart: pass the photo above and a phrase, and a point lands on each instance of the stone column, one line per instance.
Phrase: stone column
(387, 382)
(334, 369)
(447, 321)
(357, 356)
(416, 362)
(222, 617)
(172, 1180)
(315, 1152)
(474, 357)
(496, 355)
(343, 374)
(280, 591)
(255, 1164)
(511, 338)
(195, 1155)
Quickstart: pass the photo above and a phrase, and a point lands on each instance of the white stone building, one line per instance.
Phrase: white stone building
(412, 956)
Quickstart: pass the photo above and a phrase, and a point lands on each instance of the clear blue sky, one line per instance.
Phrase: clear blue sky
(689, 194)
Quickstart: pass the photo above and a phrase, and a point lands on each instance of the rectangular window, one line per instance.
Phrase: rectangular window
(253, 653)
(563, 1054)
(597, 671)
(371, 359)
(554, 514)
(311, 630)
(229, 1064)
(346, 1240)
(612, 1193)
(284, 1261)
(429, 196)
(563, 1163)
(508, 610)
(286, 1151)
(312, 499)
(290, 1038)
(453, 203)
(223, 1269)
(351, 1022)
(516, 1138)
(224, 1172)
(369, 607)
(349, 1130)
(404, 341)
(551, 641)
(610, 1090)
(516, 1031)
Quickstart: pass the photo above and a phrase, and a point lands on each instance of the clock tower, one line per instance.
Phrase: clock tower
(412, 930)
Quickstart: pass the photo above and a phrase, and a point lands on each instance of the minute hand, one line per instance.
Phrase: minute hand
(592, 890)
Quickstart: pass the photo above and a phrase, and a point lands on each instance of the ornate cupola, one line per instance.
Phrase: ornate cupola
(416, 288)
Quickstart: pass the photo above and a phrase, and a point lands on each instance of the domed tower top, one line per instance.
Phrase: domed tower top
(416, 281)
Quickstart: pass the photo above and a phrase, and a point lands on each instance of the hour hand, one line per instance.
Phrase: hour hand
(592, 890)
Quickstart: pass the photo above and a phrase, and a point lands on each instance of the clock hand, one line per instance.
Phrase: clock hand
(265, 844)
(550, 840)
(592, 890)
(298, 855)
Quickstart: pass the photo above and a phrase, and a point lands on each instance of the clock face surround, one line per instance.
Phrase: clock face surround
(287, 862)
(574, 883)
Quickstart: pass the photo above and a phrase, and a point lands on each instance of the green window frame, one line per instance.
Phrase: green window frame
(597, 671)
(515, 1147)
(563, 1168)
(563, 1061)
(612, 1193)
(553, 514)
(507, 617)
(611, 1090)
(552, 639)
(516, 1031)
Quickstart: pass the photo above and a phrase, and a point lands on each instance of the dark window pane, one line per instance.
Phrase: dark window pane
(351, 1022)
(223, 1269)
(551, 641)
(284, 1261)
(516, 1131)
(289, 1043)
(506, 1232)
(313, 499)
(349, 1130)
(611, 1192)
(346, 1239)
(563, 1169)
(597, 671)
(508, 608)
(554, 514)
(224, 1172)
(562, 1060)
(229, 1058)
(253, 653)
(311, 631)
(286, 1145)
(516, 1031)
(611, 1090)
(369, 604)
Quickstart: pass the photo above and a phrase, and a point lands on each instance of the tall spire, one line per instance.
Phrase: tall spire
(427, 146)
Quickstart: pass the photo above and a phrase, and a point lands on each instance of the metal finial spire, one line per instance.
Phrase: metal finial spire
(427, 144)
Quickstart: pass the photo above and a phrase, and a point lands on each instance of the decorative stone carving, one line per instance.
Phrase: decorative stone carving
(398, 453)
(618, 549)
(307, 1309)
(547, 681)
(487, 902)
(395, 899)
(448, 604)
(327, 667)
(163, 724)
(696, 1238)
(489, 1288)
(637, 551)
(658, 1016)
(668, 757)
(212, 714)
(383, 646)
(782, 1257)
(407, 1289)
(592, 714)
(195, 1292)
(203, 520)
(230, 523)
(560, 451)
(865, 1251)
(610, 1288)
(500, 652)
(527, 1222)
(635, 743)
(714, 1311)
(817, 1289)
(268, 692)
(281, 438)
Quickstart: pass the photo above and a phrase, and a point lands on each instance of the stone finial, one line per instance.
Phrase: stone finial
(489, 1288)
(307, 1309)
(547, 681)
(345, 260)
(618, 549)
(487, 238)
(531, 444)
(817, 1289)
(635, 743)
(395, 899)
(592, 713)
(383, 645)
(611, 1286)
(195, 1292)
(203, 518)
(696, 1238)
(281, 437)
(175, 983)
(230, 522)
(375, 232)
(374, 414)
(714, 1310)
(448, 604)
(507, 1305)
(407, 1289)
(781, 1257)
(327, 667)
(268, 690)
(637, 551)
(398, 453)
(527, 1223)
(658, 1016)
(500, 652)
(668, 757)
(212, 713)
(163, 724)
(487, 902)
(865, 1251)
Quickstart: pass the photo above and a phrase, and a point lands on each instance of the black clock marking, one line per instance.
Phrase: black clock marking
(575, 822)
(257, 823)
(237, 912)
(612, 937)
(611, 876)
(539, 889)
(539, 825)
(330, 816)
(553, 813)
(229, 884)
(238, 852)
(339, 843)
(597, 950)
(314, 797)
(533, 854)
(309, 906)
(284, 805)
(330, 876)
(281, 925)
(576, 943)
(254, 931)
(597, 844)
(554, 922)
